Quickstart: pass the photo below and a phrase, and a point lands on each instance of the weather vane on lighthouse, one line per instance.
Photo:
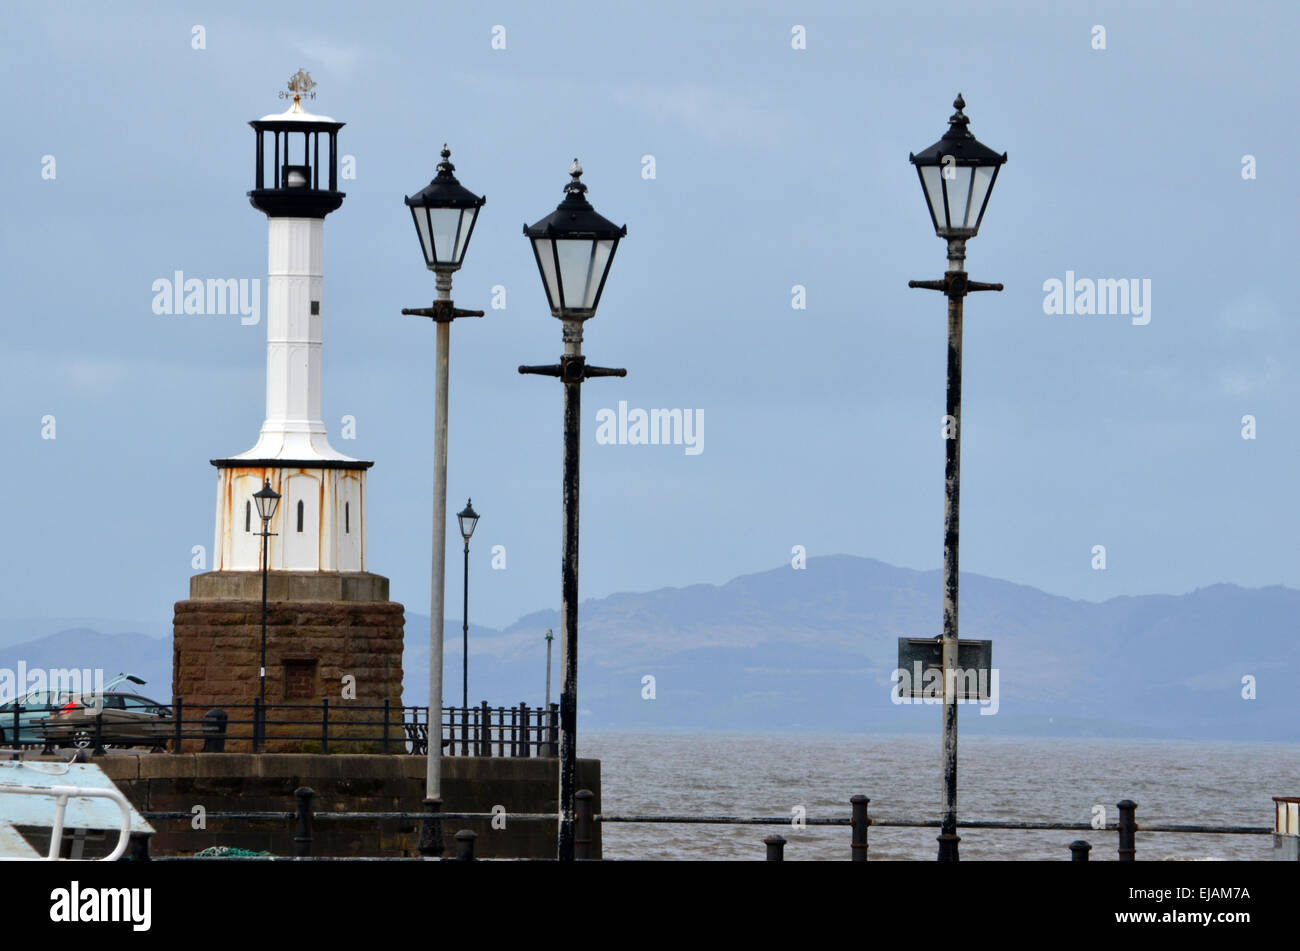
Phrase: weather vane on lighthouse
(300, 84)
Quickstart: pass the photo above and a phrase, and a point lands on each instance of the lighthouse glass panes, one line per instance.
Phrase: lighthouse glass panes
(957, 175)
(444, 212)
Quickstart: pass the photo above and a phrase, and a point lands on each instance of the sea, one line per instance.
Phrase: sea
(796, 775)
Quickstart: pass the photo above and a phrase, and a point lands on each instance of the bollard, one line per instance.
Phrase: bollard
(302, 841)
(138, 848)
(431, 843)
(584, 822)
(1079, 850)
(465, 845)
(860, 823)
(214, 729)
(1127, 830)
(775, 848)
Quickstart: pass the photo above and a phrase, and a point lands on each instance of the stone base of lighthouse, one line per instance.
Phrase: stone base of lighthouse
(330, 636)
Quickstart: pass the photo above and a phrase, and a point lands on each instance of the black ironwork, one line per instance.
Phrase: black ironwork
(775, 848)
(302, 839)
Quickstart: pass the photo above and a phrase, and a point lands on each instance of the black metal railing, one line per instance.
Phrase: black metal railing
(858, 820)
(339, 725)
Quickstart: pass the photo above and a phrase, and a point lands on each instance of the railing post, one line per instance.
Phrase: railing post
(324, 724)
(302, 841)
(775, 848)
(1127, 830)
(13, 737)
(861, 821)
(257, 724)
(214, 730)
(431, 829)
(464, 729)
(1079, 850)
(387, 714)
(465, 845)
(485, 731)
(526, 737)
(99, 730)
(138, 849)
(554, 730)
(584, 822)
(178, 710)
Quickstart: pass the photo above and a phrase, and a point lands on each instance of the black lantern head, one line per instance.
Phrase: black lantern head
(468, 519)
(444, 213)
(957, 174)
(306, 184)
(574, 247)
(266, 500)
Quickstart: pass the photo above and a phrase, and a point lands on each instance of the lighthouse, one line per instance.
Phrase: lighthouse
(332, 634)
(320, 524)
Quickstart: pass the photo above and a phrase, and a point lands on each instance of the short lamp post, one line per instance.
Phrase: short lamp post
(444, 213)
(957, 175)
(468, 519)
(266, 499)
(574, 248)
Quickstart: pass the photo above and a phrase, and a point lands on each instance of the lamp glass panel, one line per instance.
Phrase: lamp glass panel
(599, 262)
(979, 194)
(957, 180)
(446, 221)
(467, 525)
(931, 178)
(546, 258)
(575, 256)
(421, 216)
(467, 216)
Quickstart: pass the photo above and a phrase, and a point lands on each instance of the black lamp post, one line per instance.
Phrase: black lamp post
(444, 213)
(468, 519)
(574, 248)
(266, 499)
(957, 175)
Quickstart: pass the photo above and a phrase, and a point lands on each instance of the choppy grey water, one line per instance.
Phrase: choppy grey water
(1000, 778)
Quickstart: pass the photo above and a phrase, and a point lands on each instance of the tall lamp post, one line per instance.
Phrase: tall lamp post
(444, 213)
(957, 175)
(468, 519)
(266, 499)
(574, 248)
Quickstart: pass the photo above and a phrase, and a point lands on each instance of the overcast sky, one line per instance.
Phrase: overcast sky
(773, 167)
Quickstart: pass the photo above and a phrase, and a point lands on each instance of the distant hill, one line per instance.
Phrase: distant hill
(813, 649)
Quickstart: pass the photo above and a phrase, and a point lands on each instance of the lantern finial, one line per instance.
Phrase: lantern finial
(445, 168)
(575, 187)
(958, 121)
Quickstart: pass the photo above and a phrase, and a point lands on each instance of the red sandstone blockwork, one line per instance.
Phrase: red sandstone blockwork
(216, 655)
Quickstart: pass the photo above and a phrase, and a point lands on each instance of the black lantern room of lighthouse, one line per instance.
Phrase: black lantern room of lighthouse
(295, 187)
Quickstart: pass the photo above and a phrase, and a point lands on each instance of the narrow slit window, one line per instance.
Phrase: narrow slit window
(347, 518)
(300, 515)
(248, 516)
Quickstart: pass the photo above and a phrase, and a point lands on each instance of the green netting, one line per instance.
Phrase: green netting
(225, 851)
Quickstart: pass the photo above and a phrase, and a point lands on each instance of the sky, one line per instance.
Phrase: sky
(1165, 157)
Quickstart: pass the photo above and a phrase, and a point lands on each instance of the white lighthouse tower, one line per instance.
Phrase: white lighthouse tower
(320, 524)
(321, 616)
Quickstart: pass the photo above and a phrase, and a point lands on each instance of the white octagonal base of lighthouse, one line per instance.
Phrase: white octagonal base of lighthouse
(319, 524)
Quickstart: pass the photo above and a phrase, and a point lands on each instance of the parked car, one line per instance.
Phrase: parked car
(123, 719)
(36, 706)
